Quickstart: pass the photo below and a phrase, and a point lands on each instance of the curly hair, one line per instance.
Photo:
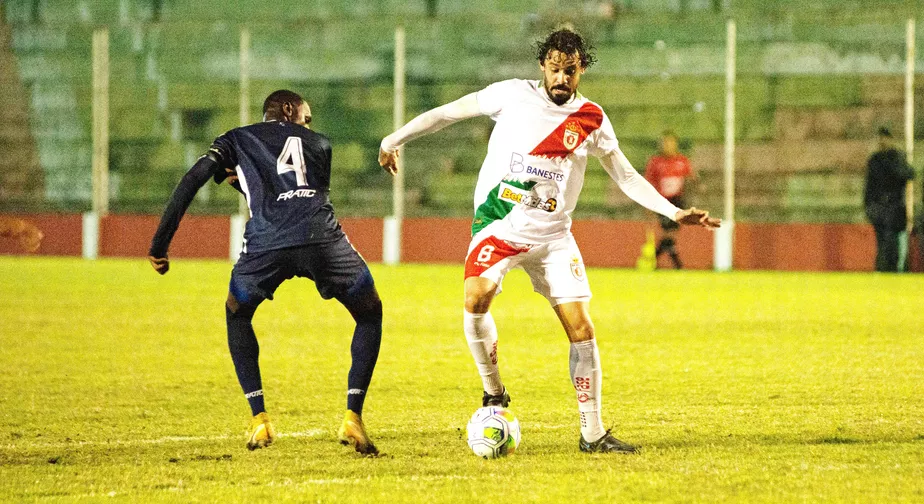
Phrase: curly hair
(566, 42)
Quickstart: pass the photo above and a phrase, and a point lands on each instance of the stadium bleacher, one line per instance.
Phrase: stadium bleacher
(810, 93)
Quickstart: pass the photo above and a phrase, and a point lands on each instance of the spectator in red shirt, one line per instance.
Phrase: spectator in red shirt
(668, 171)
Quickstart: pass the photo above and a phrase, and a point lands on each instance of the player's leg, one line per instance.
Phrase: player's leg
(671, 247)
(669, 241)
(672, 229)
(245, 351)
(886, 249)
(365, 306)
(489, 259)
(481, 335)
(584, 366)
(587, 378)
(557, 272)
(881, 248)
(255, 277)
(340, 272)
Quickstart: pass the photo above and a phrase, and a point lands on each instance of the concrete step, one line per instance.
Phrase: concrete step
(850, 123)
(21, 175)
(787, 156)
(13, 134)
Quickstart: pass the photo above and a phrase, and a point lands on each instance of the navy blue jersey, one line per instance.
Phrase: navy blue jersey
(284, 172)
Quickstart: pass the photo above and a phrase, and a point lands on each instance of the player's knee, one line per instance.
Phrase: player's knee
(235, 310)
(582, 331)
(231, 304)
(365, 305)
(371, 310)
(477, 302)
(479, 292)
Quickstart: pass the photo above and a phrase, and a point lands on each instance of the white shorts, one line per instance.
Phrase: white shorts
(555, 268)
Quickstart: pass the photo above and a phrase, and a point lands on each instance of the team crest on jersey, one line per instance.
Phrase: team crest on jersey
(577, 268)
(572, 135)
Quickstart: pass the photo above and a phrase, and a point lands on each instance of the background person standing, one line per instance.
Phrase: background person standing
(887, 178)
(668, 171)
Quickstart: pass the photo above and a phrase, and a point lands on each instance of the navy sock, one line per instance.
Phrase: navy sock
(366, 309)
(245, 352)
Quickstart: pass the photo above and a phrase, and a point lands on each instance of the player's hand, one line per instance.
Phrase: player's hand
(696, 217)
(30, 239)
(160, 264)
(230, 176)
(388, 160)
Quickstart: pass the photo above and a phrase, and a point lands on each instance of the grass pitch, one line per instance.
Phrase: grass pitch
(740, 387)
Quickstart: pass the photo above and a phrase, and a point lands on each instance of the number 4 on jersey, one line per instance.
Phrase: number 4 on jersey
(291, 159)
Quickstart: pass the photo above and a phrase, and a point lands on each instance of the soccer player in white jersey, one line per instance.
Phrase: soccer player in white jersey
(526, 191)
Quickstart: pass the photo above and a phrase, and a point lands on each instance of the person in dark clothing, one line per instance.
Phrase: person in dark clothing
(283, 169)
(887, 177)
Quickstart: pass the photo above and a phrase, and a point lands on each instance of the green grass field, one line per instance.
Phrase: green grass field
(767, 387)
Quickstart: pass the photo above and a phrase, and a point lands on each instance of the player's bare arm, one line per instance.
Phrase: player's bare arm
(424, 124)
(29, 236)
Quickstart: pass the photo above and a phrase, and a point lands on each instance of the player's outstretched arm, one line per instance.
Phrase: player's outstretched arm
(182, 196)
(29, 236)
(424, 124)
(642, 192)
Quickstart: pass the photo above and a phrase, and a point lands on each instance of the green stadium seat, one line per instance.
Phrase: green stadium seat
(795, 118)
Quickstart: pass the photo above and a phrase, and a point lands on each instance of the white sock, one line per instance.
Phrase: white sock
(587, 378)
(481, 334)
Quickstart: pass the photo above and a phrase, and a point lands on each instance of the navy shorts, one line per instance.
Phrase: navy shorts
(336, 269)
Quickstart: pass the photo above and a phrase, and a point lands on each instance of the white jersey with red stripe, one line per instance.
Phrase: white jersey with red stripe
(533, 173)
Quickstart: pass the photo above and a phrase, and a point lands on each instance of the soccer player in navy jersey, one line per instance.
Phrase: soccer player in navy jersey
(283, 169)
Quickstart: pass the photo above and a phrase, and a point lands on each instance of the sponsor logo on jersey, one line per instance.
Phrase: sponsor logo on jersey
(521, 197)
(517, 166)
(516, 162)
(296, 193)
(577, 268)
(546, 174)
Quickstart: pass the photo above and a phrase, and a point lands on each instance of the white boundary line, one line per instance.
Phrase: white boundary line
(163, 440)
(311, 433)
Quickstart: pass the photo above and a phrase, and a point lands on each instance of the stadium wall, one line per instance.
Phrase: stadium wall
(604, 243)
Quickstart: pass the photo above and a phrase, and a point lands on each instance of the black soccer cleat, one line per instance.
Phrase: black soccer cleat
(607, 444)
(502, 400)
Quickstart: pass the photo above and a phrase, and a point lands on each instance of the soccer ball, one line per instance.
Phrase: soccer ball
(493, 432)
